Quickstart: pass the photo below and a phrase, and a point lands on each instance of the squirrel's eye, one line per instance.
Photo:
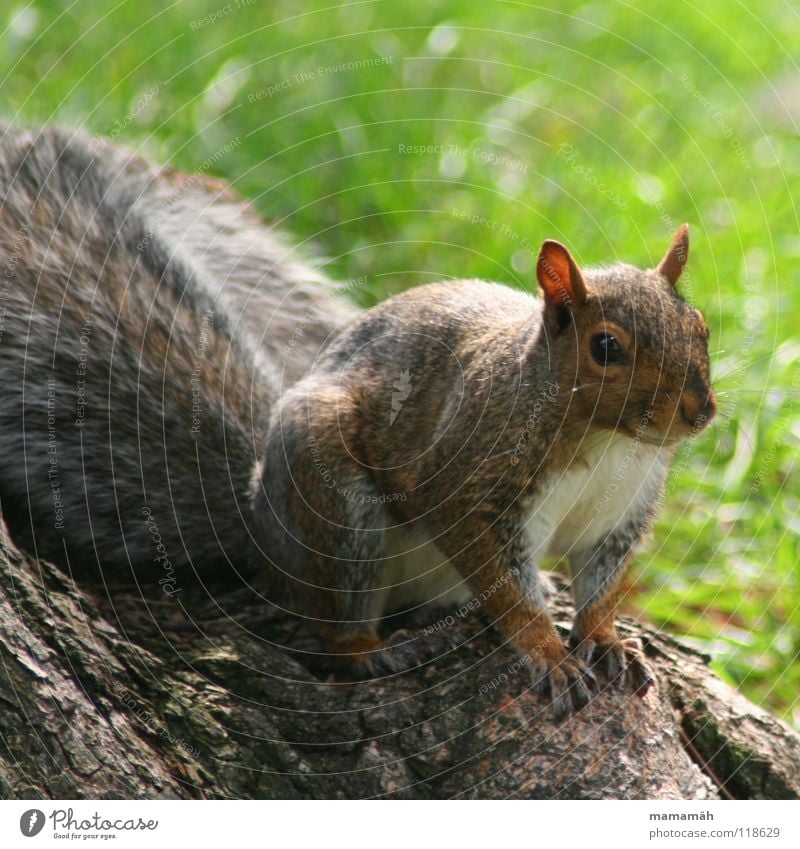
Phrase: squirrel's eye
(606, 350)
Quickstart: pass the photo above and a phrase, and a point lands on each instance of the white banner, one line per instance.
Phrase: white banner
(401, 825)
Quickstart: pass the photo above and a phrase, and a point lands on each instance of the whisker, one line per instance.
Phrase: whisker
(754, 391)
(589, 385)
(750, 362)
(739, 369)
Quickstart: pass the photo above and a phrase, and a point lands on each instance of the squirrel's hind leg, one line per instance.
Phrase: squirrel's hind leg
(359, 582)
(322, 525)
(364, 654)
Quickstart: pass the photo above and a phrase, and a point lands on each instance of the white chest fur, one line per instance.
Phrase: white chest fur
(615, 478)
(416, 572)
(578, 506)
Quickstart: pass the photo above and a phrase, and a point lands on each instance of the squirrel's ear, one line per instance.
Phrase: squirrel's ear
(559, 277)
(675, 258)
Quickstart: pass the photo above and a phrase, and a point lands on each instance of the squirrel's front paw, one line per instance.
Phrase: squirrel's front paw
(566, 679)
(622, 660)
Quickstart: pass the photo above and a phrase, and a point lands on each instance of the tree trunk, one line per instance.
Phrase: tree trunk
(104, 695)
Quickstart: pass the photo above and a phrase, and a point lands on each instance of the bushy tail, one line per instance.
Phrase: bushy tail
(147, 322)
(274, 292)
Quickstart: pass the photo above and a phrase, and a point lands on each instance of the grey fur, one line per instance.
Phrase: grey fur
(146, 331)
(594, 571)
(165, 407)
(512, 442)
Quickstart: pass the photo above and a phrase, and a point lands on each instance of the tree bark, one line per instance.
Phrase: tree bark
(106, 695)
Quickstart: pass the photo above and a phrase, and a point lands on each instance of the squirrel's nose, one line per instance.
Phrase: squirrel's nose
(698, 409)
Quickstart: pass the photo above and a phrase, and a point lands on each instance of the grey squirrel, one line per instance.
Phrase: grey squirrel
(430, 449)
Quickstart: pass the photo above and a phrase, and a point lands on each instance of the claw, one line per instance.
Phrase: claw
(616, 662)
(559, 692)
(647, 682)
(585, 650)
(591, 678)
(406, 649)
(538, 674)
(623, 662)
(581, 693)
(641, 675)
(569, 683)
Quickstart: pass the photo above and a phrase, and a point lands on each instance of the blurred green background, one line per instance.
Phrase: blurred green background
(599, 124)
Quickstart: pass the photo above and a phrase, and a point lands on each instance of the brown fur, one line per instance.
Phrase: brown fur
(473, 444)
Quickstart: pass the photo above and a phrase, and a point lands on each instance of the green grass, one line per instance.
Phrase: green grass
(683, 112)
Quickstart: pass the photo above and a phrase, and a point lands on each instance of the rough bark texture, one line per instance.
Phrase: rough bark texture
(202, 700)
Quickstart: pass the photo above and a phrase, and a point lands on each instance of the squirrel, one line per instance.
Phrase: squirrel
(450, 437)
(431, 449)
